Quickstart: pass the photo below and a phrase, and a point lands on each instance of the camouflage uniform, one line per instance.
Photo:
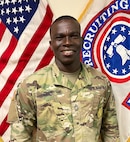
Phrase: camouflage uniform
(62, 111)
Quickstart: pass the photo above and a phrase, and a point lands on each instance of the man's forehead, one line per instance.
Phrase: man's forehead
(65, 24)
(60, 26)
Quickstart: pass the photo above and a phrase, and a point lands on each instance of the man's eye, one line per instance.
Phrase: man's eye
(75, 36)
(59, 37)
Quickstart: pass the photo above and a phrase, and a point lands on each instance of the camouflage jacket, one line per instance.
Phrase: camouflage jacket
(49, 105)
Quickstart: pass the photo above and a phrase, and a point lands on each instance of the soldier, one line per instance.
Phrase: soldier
(66, 101)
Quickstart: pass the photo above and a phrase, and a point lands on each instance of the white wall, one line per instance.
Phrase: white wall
(67, 7)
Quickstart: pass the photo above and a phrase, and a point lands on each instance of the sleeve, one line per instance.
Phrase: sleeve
(21, 115)
(109, 130)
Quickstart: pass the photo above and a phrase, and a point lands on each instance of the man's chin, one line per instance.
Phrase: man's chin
(67, 62)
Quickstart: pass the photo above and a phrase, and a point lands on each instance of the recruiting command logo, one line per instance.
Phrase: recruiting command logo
(107, 41)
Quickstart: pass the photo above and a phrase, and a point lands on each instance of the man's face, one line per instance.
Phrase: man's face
(66, 41)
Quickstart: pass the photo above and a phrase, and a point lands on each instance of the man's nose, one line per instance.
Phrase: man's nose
(67, 40)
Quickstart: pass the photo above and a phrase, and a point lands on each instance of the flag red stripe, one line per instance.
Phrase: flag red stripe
(2, 30)
(46, 59)
(6, 55)
(4, 126)
(25, 57)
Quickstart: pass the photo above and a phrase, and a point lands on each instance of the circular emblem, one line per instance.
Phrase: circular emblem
(110, 47)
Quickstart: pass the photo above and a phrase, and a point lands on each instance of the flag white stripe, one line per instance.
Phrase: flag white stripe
(5, 41)
(6, 135)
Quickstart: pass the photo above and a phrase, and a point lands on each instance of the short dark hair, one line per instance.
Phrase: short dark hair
(63, 18)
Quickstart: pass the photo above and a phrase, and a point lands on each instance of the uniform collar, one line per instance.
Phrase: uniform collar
(84, 78)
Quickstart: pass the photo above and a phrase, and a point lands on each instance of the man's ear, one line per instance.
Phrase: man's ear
(82, 40)
(50, 44)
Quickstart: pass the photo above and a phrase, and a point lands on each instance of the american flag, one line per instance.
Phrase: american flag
(24, 47)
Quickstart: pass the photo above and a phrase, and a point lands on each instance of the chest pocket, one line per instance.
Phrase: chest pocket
(54, 112)
(90, 107)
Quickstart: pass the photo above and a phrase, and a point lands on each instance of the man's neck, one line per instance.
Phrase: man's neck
(70, 68)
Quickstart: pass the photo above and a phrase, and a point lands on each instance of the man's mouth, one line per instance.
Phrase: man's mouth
(68, 52)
